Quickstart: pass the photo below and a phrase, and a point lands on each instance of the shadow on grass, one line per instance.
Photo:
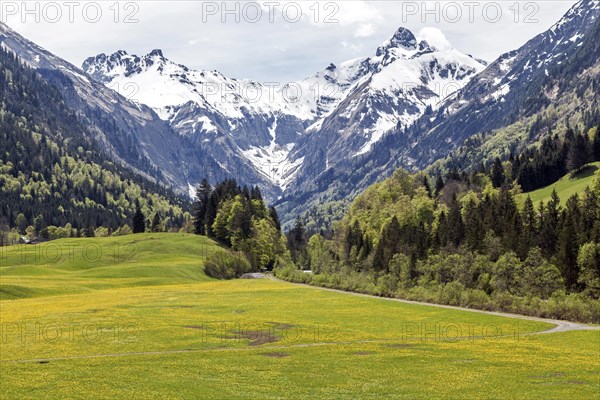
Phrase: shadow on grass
(585, 172)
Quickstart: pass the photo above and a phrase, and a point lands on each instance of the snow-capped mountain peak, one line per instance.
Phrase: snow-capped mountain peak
(402, 38)
(342, 110)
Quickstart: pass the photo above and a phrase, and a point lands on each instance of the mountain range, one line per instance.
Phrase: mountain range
(542, 88)
(289, 132)
(327, 137)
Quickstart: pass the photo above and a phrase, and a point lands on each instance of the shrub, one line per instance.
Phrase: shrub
(289, 272)
(122, 231)
(387, 285)
(475, 298)
(227, 265)
(452, 293)
(572, 307)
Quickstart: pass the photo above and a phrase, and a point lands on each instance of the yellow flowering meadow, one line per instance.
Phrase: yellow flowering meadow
(146, 323)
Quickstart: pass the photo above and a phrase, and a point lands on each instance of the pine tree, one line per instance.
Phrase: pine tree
(255, 194)
(549, 225)
(567, 243)
(509, 221)
(440, 238)
(529, 231)
(455, 228)
(139, 221)
(497, 173)
(596, 144)
(578, 153)
(439, 184)
(473, 226)
(201, 206)
(156, 225)
(297, 240)
(590, 212)
(211, 212)
(427, 186)
(246, 192)
(275, 218)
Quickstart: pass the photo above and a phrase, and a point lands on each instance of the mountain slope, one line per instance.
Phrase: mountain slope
(546, 85)
(289, 134)
(53, 173)
(566, 187)
(132, 134)
(521, 84)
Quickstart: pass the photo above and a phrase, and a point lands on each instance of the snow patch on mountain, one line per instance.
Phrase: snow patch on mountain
(363, 98)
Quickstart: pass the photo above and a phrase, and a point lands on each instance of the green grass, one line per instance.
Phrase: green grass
(80, 265)
(157, 328)
(566, 187)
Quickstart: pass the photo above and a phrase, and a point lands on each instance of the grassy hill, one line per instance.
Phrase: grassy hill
(85, 265)
(566, 187)
(156, 328)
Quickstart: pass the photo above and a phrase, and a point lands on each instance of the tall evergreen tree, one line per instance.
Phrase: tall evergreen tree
(549, 224)
(497, 173)
(275, 218)
(255, 193)
(596, 144)
(203, 193)
(156, 225)
(427, 186)
(578, 153)
(473, 226)
(439, 184)
(297, 240)
(139, 221)
(589, 215)
(211, 212)
(529, 231)
(455, 228)
(567, 243)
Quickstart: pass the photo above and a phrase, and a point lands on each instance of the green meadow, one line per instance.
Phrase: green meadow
(566, 187)
(135, 317)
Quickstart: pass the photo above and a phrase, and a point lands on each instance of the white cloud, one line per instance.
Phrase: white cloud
(355, 12)
(364, 30)
(351, 46)
(276, 50)
(434, 37)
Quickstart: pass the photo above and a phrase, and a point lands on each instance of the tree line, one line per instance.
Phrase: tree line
(239, 219)
(462, 241)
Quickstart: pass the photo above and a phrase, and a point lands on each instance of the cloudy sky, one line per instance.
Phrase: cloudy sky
(274, 41)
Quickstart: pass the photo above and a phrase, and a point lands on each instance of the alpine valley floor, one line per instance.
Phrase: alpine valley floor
(135, 317)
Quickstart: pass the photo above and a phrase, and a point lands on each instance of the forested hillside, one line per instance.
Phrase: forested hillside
(51, 175)
(463, 241)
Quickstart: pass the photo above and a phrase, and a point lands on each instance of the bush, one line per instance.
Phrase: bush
(452, 293)
(122, 231)
(420, 293)
(387, 285)
(290, 273)
(572, 307)
(475, 298)
(227, 265)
